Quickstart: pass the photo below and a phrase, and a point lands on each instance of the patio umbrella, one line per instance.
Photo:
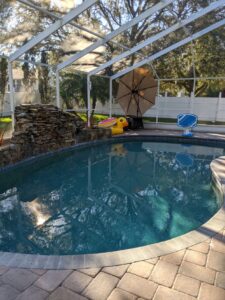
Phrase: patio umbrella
(137, 92)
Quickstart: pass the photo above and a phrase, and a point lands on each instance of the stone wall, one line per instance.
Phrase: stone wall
(44, 128)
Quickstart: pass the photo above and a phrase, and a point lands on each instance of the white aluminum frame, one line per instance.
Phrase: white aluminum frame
(53, 28)
(85, 5)
(111, 35)
(171, 48)
(158, 36)
(53, 15)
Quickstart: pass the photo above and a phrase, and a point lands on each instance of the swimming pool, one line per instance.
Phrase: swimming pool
(106, 197)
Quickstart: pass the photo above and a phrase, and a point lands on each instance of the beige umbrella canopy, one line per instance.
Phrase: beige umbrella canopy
(137, 91)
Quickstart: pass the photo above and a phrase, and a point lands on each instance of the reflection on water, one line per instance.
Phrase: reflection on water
(106, 198)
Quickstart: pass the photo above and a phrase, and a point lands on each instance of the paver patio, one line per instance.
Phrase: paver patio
(197, 272)
(183, 275)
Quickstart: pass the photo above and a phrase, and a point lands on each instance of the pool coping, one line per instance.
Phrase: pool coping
(60, 262)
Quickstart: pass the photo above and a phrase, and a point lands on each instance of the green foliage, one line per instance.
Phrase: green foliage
(73, 90)
(96, 117)
(207, 51)
(5, 120)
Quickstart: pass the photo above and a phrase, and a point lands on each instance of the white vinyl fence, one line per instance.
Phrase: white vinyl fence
(207, 109)
(21, 98)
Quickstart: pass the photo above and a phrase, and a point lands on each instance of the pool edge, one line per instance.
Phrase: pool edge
(205, 231)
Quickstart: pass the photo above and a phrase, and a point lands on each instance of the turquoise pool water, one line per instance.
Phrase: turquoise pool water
(107, 197)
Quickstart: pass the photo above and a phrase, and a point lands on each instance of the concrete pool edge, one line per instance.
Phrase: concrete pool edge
(209, 229)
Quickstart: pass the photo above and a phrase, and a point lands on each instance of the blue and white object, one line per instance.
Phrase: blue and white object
(187, 121)
(184, 159)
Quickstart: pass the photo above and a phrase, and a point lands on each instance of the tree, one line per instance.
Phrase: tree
(3, 81)
(29, 71)
(106, 16)
(73, 90)
(43, 80)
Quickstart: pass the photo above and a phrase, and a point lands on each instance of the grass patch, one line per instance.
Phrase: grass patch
(5, 120)
(99, 117)
(4, 126)
(96, 118)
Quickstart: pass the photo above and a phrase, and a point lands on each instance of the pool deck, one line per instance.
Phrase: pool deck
(196, 272)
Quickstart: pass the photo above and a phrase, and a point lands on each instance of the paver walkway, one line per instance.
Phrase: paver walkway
(197, 272)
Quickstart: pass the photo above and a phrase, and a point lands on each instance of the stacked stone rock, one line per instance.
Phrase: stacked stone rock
(44, 128)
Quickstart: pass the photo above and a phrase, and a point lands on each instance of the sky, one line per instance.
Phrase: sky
(65, 3)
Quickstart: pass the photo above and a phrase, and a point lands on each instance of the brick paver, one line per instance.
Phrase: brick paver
(117, 271)
(118, 294)
(3, 270)
(153, 260)
(77, 281)
(174, 258)
(7, 292)
(195, 257)
(210, 292)
(218, 244)
(33, 293)
(164, 293)
(91, 271)
(202, 247)
(220, 280)
(141, 268)
(187, 285)
(39, 271)
(101, 286)
(52, 279)
(20, 279)
(138, 286)
(216, 261)
(197, 272)
(64, 294)
(164, 273)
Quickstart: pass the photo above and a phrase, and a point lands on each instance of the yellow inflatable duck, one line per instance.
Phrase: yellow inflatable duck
(118, 150)
(116, 124)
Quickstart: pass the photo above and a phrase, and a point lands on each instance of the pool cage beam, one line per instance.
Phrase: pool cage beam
(11, 89)
(108, 37)
(111, 35)
(40, 37)
(52, 28)
(171, 48)
(67, 18)
(53, 15)
(110, 97)
(25, 2)
(89, 100)
(58, 104)
(178, 25)
(158, 36)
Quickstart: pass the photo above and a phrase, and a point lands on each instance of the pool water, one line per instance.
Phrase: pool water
(107, 197)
